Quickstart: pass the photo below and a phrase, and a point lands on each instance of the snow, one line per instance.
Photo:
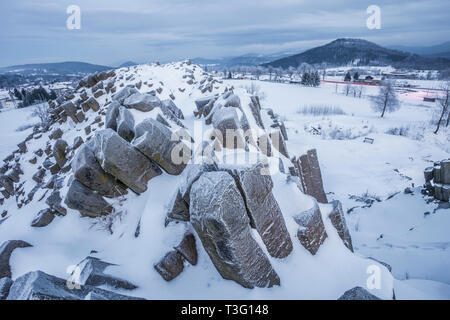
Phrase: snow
(419, 257)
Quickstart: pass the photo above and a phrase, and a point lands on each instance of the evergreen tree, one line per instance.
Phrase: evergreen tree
(348, 77)
(356, 76)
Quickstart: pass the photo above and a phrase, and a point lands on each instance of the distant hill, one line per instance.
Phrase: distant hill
(61, 68)
(441, 50)
(356, 52)
(250, 59)
(128, 64)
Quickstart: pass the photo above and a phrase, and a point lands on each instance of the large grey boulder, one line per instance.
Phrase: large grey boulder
(92, 273)
(60, 151)
(6, 249)
(263, 209)
(6, 186)
(228, 129)
(155, 141)
(191, 175)
(37, 285)
(86, 201)
(88, 171)
(54, 202)
(91, 103)
(124, 94)
(219, 217)
(120, 159)
(125, 124)
(71, 110)
(111, 116)
(142, 102)
(311, 230)
(338, 220)
(278, 142)
(311, 176)
(5, 285)
(358, 293)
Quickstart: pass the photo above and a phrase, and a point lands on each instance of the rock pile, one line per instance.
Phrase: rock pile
(437, 180)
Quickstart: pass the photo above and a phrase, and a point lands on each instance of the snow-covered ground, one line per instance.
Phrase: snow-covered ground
(395, 231)
(420, 257)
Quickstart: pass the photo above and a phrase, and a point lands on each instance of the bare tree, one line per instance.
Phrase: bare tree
(42, 111)
(348, 88)
(386, 100)
(443, 104)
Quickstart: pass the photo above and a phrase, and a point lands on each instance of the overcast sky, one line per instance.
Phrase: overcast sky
(113, 31)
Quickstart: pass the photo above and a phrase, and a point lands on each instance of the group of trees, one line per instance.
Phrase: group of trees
(34, 96)
(348, 76)
(311, 79)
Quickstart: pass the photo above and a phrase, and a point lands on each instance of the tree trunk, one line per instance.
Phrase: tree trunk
(440, 119)
(384, 108)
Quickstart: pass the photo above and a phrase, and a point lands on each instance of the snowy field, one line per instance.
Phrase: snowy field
(395, 231)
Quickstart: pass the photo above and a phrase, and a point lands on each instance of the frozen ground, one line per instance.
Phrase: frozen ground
(395, 231)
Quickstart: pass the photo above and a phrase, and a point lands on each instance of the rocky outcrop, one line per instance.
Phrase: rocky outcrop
(219, 217)
(6, 249)
(92, 273)
(170, 266)
(437, 180)
(118, 158)
(37, 285)
(311, 230)
(5, 286)
(86, 201)
(338, 220)
(88, 171)
(156, 142)
(142, 102)
(263, 209)
(358, 293)
(228, 129)
(125, 124)
(310, 175)
(43, 218)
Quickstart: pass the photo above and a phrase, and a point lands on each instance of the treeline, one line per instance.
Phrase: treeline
(30, 97)
(311, 79)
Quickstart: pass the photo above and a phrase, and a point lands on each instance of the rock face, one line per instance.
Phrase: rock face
(155, 141)
(338, 220)
(91, 103)
(121, 160)
(86, 201)
(219, 217)
(437, 180)
(5, 285)
(142, 102)
(178, 208)
(6, 250)
(358, 293)
(310, 175)
(311, 231)
(88, 171)
(263, 210)
(278, 142)
(37, 285)
(125, 124)
(170, 266)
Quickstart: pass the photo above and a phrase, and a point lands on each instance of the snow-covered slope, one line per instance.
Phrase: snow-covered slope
(70, 238)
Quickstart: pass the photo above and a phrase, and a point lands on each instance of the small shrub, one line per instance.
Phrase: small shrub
(321, 110)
